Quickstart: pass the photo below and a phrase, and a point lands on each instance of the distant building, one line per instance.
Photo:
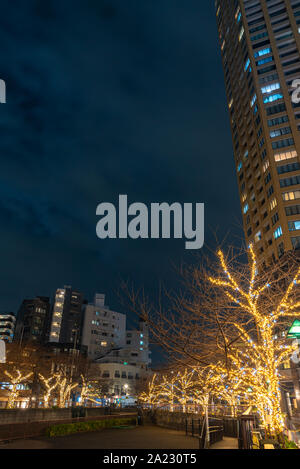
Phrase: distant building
(124, 369)
(137, 345)
(121, 357)
(7, 326)
(103, 329)
(67, 317)
(32, 320)
(120, 382)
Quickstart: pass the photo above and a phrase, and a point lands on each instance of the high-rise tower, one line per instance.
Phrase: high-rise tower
(260, 44)
(67, 317)
(32, 320)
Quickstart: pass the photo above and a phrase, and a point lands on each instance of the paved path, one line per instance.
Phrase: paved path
(226, 443)
(147, 437)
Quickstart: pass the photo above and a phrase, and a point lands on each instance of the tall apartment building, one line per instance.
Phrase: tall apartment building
(32, 320)
(260, 44)
(7, 326)
(103, 329)
(67, 316)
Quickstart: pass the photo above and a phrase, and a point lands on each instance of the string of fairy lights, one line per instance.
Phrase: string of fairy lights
(253, 376)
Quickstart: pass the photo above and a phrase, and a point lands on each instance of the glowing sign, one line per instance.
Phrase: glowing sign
(294, 331)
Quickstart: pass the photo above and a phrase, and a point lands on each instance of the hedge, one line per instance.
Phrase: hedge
(288, 444)
(77, 427)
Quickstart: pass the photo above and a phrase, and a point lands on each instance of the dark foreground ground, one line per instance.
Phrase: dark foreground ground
(128, 438)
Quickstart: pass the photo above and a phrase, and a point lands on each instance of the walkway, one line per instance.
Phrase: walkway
(148, 437)
(226, 443)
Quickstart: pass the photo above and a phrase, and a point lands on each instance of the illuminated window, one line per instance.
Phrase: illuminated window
(272, 98)
(278, 232)
(237, 13)
(294, 225)
(247, 64)
(266, 165)
(270, 88)
(262, 52)
(257, 237)
(241, 34)
(265, 61)
(291, 195)
(253, 99)
(273, 203)
(286, 155)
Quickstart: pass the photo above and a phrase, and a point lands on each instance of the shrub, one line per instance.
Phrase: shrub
(64, 429)
(289, 444)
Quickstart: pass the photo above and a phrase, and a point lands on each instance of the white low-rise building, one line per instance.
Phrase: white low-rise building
(103, 329)
(120, 381)
(121, 357)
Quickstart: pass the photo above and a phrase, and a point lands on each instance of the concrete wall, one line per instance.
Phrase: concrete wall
(34, 415)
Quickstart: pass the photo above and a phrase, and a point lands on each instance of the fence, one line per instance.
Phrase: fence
(230, 427)
(242, 427)
(194, 425)
(207, 436)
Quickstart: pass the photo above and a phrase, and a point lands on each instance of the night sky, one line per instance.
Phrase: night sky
(107, 97)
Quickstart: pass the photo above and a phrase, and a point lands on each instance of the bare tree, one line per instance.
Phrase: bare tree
(230, 318)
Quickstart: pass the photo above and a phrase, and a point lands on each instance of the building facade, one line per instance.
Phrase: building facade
(67, 317)
(126, 369)
(121, 357)
(103, 329)
(120, 382)
(137, 346)
(7, 326)
(260, 46)
(32, 320)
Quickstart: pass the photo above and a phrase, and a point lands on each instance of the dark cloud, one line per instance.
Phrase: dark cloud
(104, 98)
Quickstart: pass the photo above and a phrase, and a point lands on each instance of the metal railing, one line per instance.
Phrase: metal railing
(208, 430)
